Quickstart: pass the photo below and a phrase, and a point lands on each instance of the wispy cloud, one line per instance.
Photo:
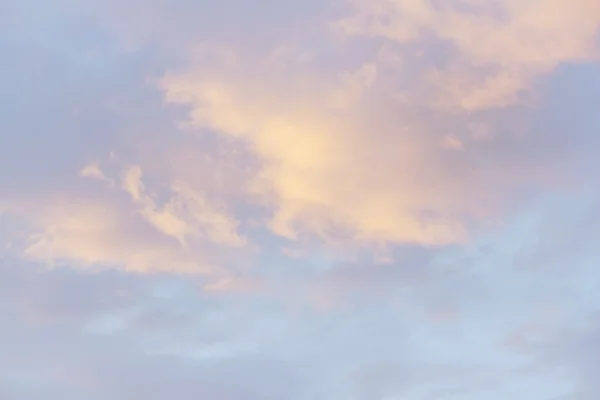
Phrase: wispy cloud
(497, 49)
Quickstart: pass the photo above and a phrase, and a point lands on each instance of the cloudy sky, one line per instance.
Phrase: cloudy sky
(299, 200)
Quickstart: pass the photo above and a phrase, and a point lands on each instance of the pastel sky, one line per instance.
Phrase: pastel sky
(300, 200)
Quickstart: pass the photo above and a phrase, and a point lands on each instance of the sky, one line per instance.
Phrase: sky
(299, 200)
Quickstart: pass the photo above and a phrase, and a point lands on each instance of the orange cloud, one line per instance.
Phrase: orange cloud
(500, 47)
(87, 233)
(101, 229)
(341, 157)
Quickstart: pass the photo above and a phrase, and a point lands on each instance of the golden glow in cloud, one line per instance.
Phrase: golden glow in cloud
(333, 164)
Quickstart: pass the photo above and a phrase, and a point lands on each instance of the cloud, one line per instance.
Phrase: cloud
(94, 171)
(499, 48)
(87, 233)
(305, 145)
(102, 229)
(341, 157)
(188, 212)
(296, 215)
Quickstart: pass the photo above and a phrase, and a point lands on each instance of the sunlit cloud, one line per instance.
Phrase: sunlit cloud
(497, 49)
(356, 200)
(107, 230)
(341, 157)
